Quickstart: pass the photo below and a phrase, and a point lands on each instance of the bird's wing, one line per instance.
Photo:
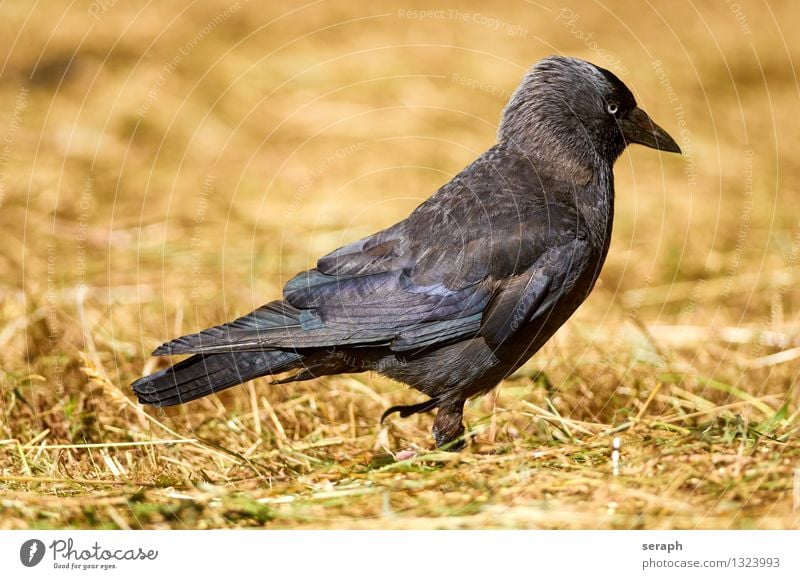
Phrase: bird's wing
(386, 297)
(483, 244)
(529, 296)
(493, 242)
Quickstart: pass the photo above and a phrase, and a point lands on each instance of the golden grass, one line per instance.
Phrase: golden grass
(166, 168)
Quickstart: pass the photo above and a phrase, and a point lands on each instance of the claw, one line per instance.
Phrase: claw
(406, 411)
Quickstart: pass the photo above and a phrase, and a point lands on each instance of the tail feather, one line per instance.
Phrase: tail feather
(275, 317)
(277, 325)
(204, 374)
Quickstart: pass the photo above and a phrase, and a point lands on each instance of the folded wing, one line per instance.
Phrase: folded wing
(469, 261)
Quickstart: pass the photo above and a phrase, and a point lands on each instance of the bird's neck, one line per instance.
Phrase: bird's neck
(592, 186)
(595, 205)
(553, 159)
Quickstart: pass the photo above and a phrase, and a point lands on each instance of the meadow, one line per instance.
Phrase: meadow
(168, 166)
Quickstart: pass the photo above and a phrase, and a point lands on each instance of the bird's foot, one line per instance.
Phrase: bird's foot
(450, 444)
(448, 431)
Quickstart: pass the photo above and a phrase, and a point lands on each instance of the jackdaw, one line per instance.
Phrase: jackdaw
(462, 292)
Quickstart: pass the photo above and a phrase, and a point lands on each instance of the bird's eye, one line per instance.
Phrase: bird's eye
(612, 108)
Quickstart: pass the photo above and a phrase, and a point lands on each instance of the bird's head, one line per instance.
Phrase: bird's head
(575, 113)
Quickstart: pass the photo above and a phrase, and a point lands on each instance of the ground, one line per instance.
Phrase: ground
(165, 168)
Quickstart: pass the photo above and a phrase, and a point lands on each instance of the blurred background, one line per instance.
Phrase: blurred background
(168, 166)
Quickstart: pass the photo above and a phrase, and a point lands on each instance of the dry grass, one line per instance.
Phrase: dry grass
(159, 174)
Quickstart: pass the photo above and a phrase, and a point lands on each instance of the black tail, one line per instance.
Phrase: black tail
(204, 374)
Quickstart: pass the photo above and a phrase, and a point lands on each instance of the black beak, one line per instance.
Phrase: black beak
(637, 127)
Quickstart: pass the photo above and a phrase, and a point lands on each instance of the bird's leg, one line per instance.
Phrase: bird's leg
(447, 427)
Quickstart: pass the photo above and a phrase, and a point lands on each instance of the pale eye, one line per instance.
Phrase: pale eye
(612, 108)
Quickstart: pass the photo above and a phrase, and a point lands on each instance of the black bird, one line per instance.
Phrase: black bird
(462, 292)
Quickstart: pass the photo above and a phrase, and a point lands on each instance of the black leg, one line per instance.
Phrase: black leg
(447, 427)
